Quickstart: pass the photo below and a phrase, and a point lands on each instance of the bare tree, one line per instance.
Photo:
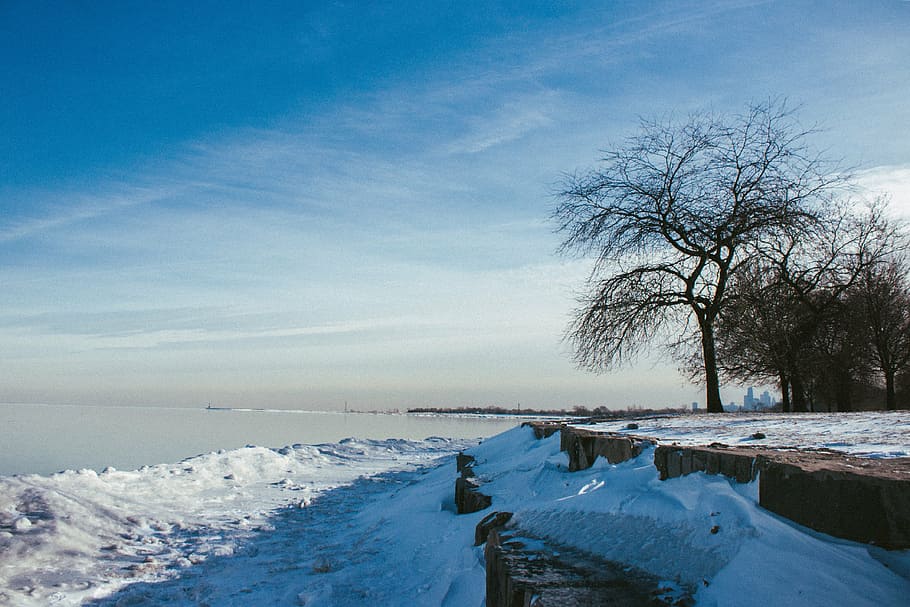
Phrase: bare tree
(671, 216)
(841, 356)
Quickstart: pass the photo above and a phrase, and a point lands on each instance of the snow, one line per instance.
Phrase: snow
(78, 535)
(373, 522)
(625, 513)
(879, 434)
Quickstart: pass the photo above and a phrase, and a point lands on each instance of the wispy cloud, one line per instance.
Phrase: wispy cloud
(508, 122)
(892, 182)
(205, 337)
(58, 210)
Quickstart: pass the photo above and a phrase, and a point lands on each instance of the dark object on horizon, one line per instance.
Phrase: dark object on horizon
(758, 435)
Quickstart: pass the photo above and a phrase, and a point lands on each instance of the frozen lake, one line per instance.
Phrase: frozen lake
(43, 439)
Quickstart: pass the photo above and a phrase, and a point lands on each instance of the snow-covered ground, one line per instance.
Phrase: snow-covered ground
(79, 535)
(373, 522)
(881, 434)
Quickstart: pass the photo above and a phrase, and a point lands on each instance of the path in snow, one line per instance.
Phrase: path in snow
(339, 550)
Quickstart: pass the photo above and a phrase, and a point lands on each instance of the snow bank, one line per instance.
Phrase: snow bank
(373, 522)
(79, 534)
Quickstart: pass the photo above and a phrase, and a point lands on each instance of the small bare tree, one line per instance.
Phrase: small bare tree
(885, 295)
(804, 311)
(764, 331)
(671, 216)
(821, 269)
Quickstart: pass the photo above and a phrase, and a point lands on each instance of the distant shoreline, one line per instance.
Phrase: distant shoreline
(599, 412)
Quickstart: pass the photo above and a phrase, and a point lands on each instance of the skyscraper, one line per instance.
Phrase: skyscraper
(749, 400)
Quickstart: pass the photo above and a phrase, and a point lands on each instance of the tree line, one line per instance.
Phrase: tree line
(826, 322)
(600, 412)
(747, 255)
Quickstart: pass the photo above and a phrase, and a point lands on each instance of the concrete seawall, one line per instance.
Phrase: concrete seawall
(860, 499)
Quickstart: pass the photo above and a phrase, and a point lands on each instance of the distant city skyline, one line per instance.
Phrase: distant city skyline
(752, 402)
(300, 205)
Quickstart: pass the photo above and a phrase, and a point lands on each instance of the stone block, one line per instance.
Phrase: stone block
(660, 461)
(585, 446)
(674, 464)
(712, 462)
(494, 520)
(728, 465)
(543, 429)
(737, 464)
(744, 467)
(462, 461)
(857, 499)
(468, 497)
(685, 462)
(699, 460)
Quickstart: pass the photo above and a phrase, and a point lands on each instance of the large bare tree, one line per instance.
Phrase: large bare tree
(671, 215)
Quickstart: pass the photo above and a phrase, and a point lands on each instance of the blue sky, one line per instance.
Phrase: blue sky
(301, 204)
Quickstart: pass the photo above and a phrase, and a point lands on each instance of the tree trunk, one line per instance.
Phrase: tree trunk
(844, 403)
(890, 398)
(799, 394)
(785, 393)
(712, 382)
(844, 387)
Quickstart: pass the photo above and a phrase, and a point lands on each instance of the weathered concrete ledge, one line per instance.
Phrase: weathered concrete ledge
(585, 446)
(489, 523)
(544, 429)
(464, 463)
(854, 498)
(738, 463)
(860, 499)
